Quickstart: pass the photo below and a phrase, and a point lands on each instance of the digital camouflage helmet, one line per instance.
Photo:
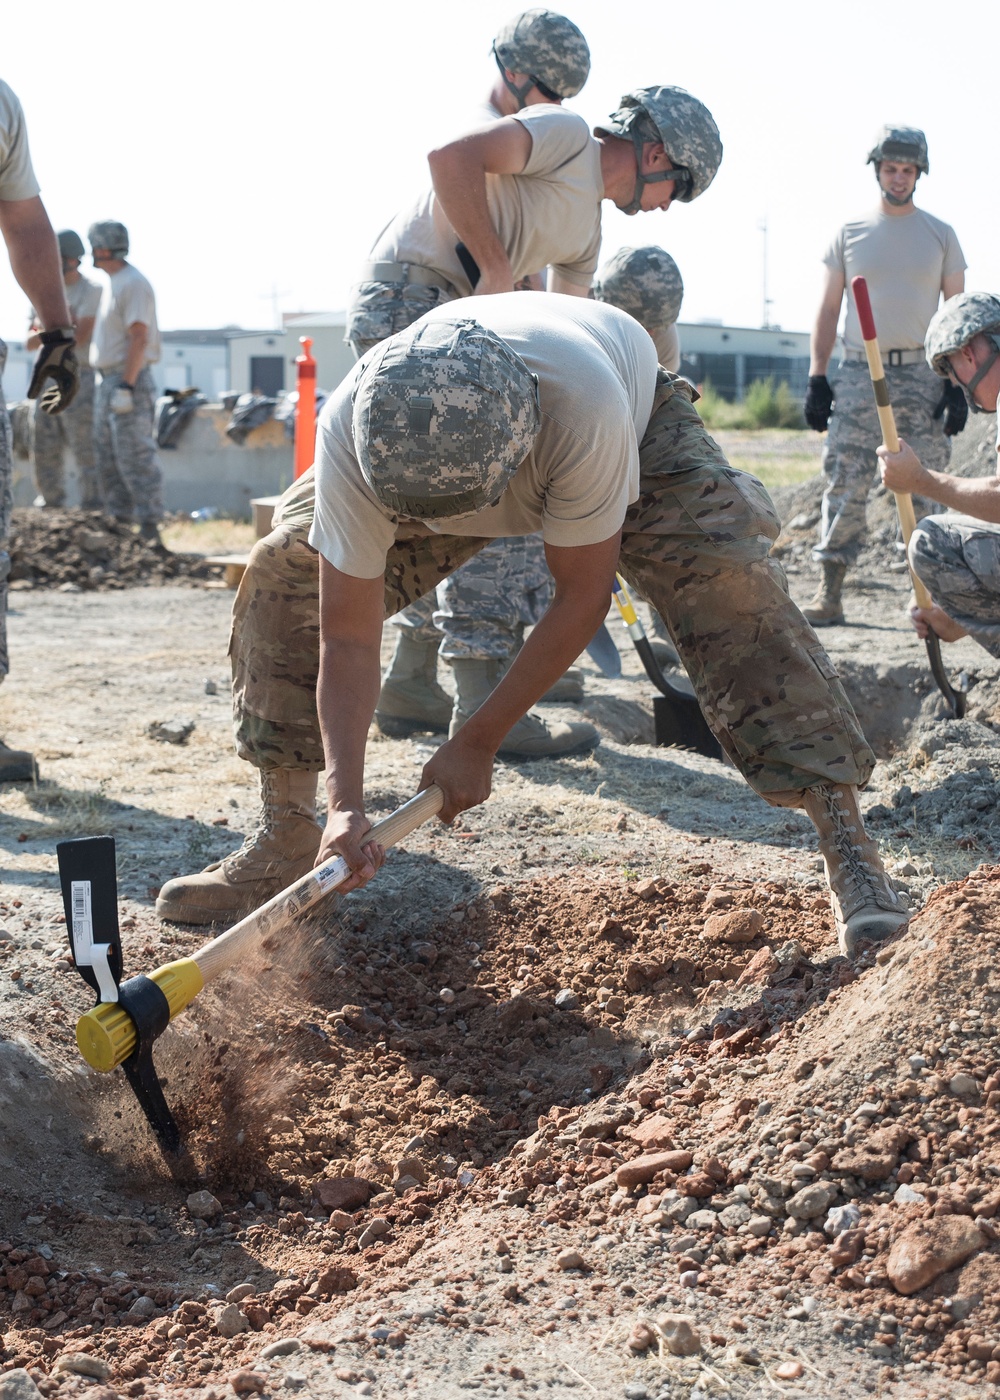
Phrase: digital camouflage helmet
(549, 48)
(954, 325)
(688, 133)
(905, 144)
(110, 234)
(70, 244)
(444, 414)
(645, 282)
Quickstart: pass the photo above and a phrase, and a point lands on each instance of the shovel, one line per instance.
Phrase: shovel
(129, 1016)
(677, 717)
(956, 698)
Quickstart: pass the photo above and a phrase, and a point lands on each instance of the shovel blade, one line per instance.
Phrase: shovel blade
(605, 655)
(679, 723)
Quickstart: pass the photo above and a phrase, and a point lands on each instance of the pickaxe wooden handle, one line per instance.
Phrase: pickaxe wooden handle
(904, 501)
(107, 1035)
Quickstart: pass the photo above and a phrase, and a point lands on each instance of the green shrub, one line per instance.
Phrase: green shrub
(770, 405)
(717, 412)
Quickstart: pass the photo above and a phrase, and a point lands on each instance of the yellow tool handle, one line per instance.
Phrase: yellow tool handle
(106, 1035)
(887, 420)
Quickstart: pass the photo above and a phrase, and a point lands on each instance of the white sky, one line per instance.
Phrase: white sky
(255, 154)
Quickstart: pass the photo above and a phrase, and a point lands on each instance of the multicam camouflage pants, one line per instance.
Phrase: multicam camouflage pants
(695, 544)
(73, 428)
(131, 481)
(849, 459)
(6, 505)
(958, 558)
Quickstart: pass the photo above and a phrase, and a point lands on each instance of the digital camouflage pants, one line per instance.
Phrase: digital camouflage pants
(131, 481)
(6, 506)
(73, 428)
(958, 558)
(695, 544)
(849, 460)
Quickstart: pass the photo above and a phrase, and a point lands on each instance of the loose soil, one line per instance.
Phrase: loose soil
(427, 1115)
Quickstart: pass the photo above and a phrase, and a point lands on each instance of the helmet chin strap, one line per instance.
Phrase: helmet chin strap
(970, 389)
(641, 180)
(520, 93)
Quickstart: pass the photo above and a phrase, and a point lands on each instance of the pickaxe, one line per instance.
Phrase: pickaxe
(129, 1016)
(904, 501)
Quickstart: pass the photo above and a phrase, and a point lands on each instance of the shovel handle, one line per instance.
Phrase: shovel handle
(887, 420)
(222, 952)
(106, 1035)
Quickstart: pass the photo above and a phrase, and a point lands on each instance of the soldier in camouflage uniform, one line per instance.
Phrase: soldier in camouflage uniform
(457, 425)
(75, 427)
(957, 555)
(909, 259)
(126, 342)
(661, 144)
(541, 58)
(32, 247)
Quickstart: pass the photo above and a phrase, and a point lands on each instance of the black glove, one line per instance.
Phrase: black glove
(819, 402)
(56, 361)
(955, 407)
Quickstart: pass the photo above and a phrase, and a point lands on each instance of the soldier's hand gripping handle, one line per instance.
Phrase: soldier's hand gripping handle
(56, 362)
(819, 402)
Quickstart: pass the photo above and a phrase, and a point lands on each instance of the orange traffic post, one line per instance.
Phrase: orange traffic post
(305, 409)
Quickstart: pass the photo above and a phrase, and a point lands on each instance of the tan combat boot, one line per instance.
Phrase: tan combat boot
(281, 848)
(530, 737)
(411, 699)
(865, 904)
(825, 608)
(17, 765)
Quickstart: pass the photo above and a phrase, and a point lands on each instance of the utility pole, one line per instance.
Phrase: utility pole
(765, 299)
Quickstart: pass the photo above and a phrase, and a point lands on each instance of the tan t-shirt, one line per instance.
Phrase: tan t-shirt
(126, 298)
(17, 178)
(549, 215)
(903, 258)
(596, 370)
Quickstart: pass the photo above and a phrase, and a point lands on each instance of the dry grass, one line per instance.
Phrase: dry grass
(777, 456)
(220, 536)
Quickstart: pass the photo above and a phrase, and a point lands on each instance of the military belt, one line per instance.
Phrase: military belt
(404, 272)
(890, 358)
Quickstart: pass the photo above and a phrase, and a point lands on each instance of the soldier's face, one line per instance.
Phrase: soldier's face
(660, 194)
(898, 179)
(965, 364)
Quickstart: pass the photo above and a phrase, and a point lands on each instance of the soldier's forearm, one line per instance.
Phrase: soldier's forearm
(978, 496)
(34, 259)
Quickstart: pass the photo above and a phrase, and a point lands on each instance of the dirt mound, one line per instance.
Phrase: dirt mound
(77, 549)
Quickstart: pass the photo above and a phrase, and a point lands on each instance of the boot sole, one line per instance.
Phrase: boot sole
(397, 727)
(825, 621)
(873, 930)
(193, 914)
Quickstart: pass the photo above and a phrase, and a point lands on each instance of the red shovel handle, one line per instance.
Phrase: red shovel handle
(863, 302)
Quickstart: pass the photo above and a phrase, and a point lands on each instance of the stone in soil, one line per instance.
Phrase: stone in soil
(680, 1334)
(18, 1385)
(928, 1248)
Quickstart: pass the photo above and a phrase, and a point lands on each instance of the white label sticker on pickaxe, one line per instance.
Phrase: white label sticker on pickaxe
(87, 953)
(83, 922)
(332, 874)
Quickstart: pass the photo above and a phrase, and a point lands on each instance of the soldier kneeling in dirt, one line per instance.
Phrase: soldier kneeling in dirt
(957, 556)
(509, 414)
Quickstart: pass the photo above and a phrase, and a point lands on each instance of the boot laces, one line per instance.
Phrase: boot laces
(855, 880)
